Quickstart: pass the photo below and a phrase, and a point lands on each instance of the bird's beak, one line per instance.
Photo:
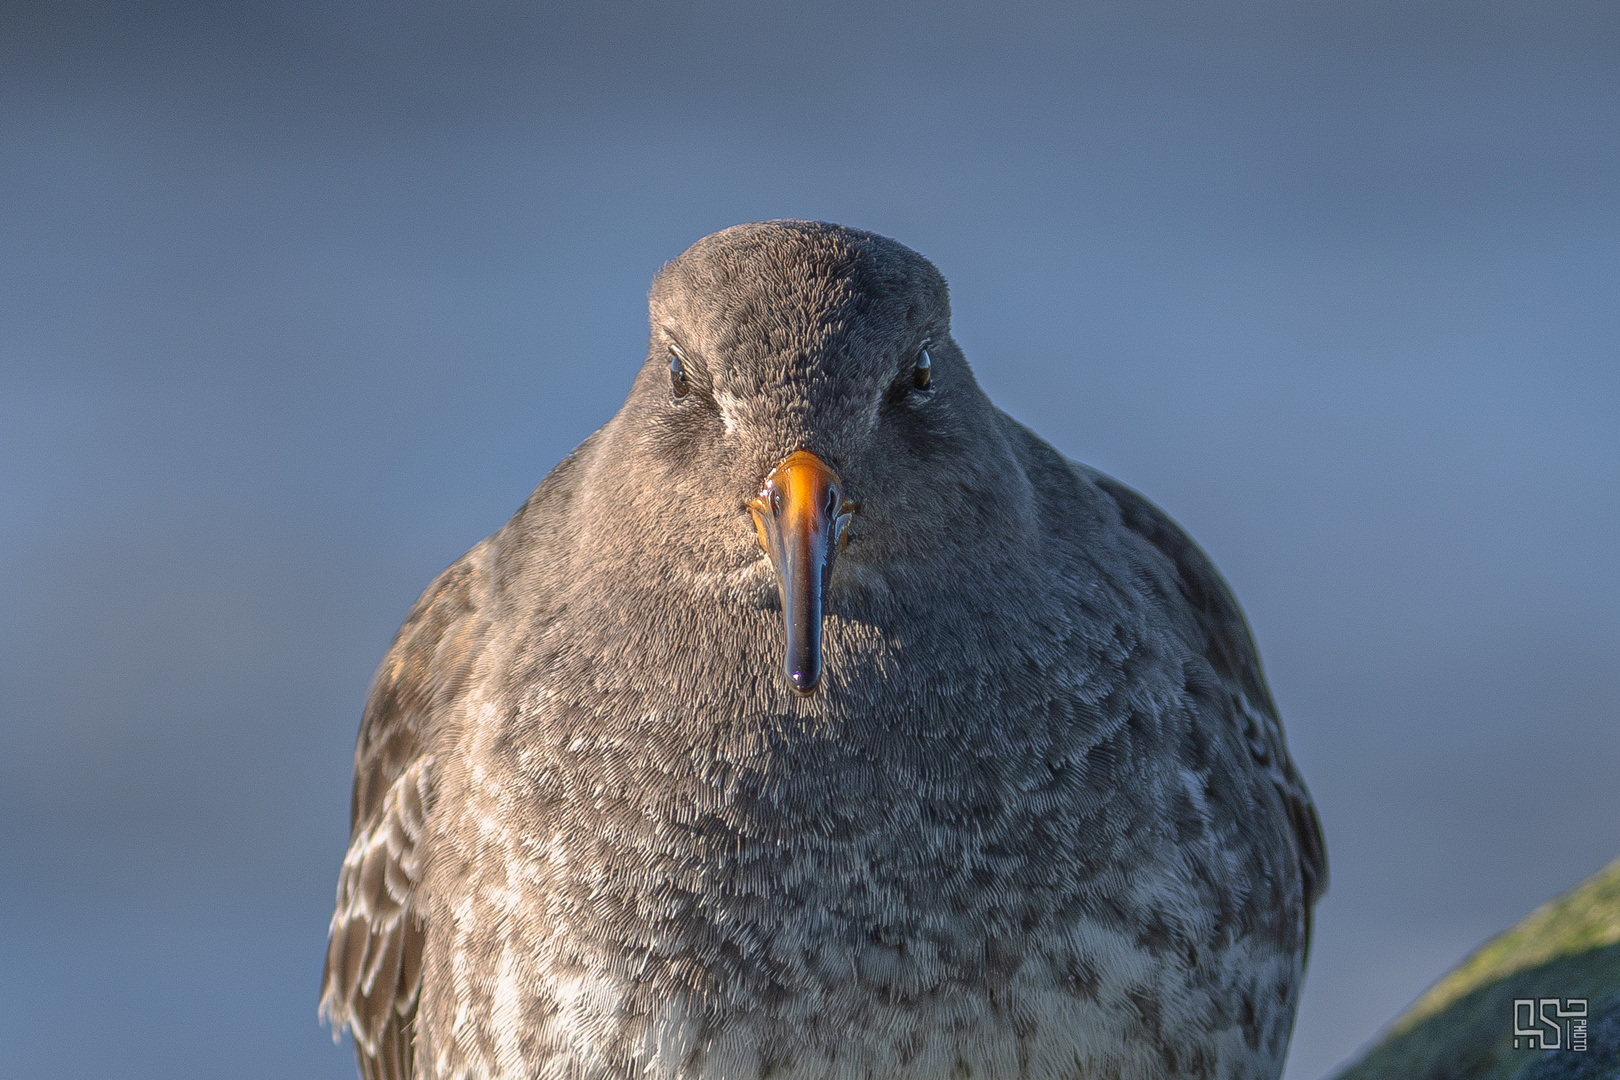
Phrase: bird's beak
(802, 515)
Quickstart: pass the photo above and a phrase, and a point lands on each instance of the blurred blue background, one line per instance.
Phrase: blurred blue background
(298, 301)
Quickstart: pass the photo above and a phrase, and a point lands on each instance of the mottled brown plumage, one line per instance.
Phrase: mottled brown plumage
(1037, 818)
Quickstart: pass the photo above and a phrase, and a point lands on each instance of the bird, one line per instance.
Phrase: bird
(814, 719)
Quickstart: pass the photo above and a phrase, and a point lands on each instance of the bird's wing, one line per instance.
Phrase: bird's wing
(1230, 649)
(374, 959)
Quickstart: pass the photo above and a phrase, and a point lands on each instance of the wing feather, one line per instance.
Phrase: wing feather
(373, 977)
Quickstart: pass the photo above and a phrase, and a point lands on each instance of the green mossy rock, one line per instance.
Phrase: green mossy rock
(1462, 1026)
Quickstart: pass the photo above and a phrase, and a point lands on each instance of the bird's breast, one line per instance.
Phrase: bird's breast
(731, 882)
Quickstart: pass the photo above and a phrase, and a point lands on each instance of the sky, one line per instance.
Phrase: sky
(299, 301)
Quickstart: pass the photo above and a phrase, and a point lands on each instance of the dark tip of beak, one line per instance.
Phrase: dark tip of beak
(804, 682)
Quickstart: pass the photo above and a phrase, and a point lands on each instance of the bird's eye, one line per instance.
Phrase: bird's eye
(922, 373)
(677, 374)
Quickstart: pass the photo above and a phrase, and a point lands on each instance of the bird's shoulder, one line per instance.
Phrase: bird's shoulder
(373, 974)
(434, 655)
(374, 954)
(1190, 595)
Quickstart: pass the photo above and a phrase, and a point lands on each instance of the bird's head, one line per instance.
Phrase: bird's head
(803, 402)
